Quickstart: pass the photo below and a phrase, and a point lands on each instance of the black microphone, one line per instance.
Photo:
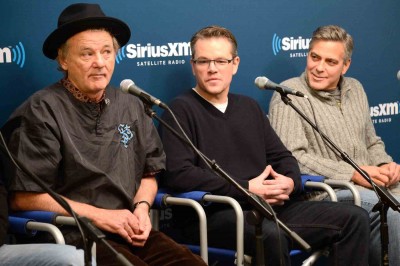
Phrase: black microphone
(264, 83)
(128, 86)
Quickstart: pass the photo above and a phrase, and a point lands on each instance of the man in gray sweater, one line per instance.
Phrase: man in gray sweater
(339, 107)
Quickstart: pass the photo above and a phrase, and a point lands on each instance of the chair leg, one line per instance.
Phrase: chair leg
(315, 256)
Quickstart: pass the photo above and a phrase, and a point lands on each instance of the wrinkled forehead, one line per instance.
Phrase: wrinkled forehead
(328, 49)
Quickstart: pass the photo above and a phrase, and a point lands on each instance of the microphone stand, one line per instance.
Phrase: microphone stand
(385, 199)
(85, 226)
(256, 201)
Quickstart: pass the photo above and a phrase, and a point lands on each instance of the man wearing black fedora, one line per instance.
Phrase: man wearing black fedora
(92, 144)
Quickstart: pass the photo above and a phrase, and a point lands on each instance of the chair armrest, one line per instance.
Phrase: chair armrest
(240, 256)
(39, 216)
(202, 221)
(18, 225)
(47, 221)
(348, 185)
(197, 199)
(314, 178)
(29, 227)
(159, 201)
(46, 217)
(50, 228)
(311, 182)
(192, 199)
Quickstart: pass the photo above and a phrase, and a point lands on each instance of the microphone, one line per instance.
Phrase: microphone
(128, 86)
(398, 75)
(264, 83)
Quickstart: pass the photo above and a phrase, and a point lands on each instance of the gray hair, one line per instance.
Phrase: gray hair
(336, 34)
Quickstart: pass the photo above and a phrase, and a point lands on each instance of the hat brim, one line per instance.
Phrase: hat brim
(116, 27)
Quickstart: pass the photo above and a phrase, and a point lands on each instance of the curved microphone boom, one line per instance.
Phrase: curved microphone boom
(264, 83)
(128, 86)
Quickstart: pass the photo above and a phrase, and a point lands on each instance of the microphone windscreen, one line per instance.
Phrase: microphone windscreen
(261, 82)
(125, 84)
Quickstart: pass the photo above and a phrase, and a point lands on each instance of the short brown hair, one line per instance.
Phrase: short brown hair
(214, 31)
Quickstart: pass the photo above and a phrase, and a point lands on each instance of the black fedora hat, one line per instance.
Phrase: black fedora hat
(80, 17)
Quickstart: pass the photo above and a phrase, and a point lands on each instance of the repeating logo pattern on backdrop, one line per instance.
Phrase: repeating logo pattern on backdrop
(291, 46)
(13, 54)
(172, 53)
(384, 112)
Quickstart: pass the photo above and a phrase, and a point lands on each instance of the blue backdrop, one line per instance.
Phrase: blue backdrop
(272, 37)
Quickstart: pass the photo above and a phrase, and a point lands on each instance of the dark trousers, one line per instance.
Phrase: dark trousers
(159, 250)
(343, 228)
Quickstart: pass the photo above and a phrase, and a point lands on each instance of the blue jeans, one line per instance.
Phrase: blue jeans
(40, 255)
(368, 201)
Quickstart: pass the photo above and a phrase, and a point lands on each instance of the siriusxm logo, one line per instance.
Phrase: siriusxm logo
(149, 51)
(289, 44)
(120, 55)
(384, 109)
(383, 112)
(14, 54)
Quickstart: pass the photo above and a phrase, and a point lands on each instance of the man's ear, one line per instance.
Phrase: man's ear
(61, 61)
(235, 64)
(346, 66)
(192, 64)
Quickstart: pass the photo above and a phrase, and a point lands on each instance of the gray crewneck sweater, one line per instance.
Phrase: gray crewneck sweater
(348, 125)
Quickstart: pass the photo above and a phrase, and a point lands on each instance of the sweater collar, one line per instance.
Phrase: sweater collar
(323, 95)
(210, 107)
(80, 96)
(220, 106)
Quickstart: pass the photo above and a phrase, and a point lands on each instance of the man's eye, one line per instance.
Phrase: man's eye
(221, 62)
(315, 58)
